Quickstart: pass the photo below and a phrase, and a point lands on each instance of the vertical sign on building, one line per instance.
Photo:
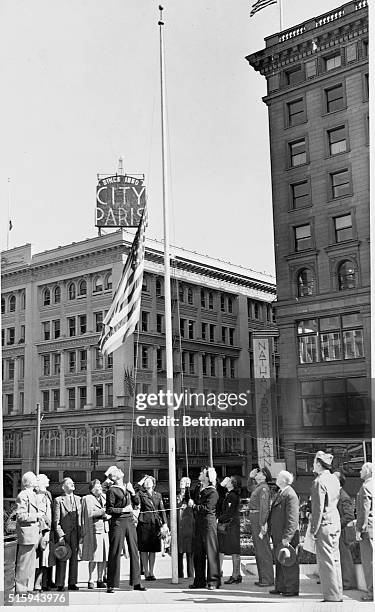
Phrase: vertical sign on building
(263, 405)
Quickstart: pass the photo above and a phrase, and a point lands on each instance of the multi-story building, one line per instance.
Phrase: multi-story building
(52, 307)
(317, 99)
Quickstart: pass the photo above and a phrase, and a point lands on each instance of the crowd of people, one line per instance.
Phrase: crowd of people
(58, 533)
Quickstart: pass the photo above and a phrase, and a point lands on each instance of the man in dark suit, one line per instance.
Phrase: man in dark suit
(67, 526)
(284, 519)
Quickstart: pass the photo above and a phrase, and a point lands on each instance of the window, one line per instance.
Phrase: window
(182, 327)
(46, 365)
(2, 305)
(145, 357)
(232, 365)
(204, 331)
(231, 336)
(109, 361)
(108, 282)
(2, 337)
(12, 303)
(213, 366)
(204, 365)
(191, 326)
(71, 398)
(57, 295)
(351, 52)
(159, 359)
(82, 288)
(190, 296)
(256, 311)
(45, 401)
(56, 363)
(310, 69)
(225, 368)
(83, 360)
(302, 235)
(11, 369)
(294, 75)
(72, 362)
(56, 328)
(23, 299)
(308, 341)
(212, 332)
(82, 396)
(145, 317)
(230, 304)
(159, 323)
(82, 324)
(71, 291)
(222, 303)
(300, 194)
(203, 298)
(71, 326)
(337, 140)
(210, 300)
(146, 283)
(366, 85)
(191, 363)
(98, 284)
(56, 398)
(297, 153)
(109, 390)
(343, 228)
(334, 98)
(98, 317)
(340, 183)
(224, 331)
(305, 282)
(46, 297)
(10, 402)
(159, 287)
(296, 112)
(181, 293)
(22, 334)
(98, 359)
(22, 402)
(330, 338)
(336, 402)
(99, 396)
(46, 330)
(333, 62)
(347, 276)
(21, 368)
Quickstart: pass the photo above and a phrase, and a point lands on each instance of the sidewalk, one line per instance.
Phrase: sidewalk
(162, 594)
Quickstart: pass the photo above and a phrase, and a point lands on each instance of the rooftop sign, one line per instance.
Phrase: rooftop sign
(120, 201)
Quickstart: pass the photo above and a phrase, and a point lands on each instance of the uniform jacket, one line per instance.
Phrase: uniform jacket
(325, 493)
(284, 517)
(205, 510)
(364, 508)
(65, 519)
(260, 500)
(92, 523)
(151, 502)
(345, 506)
(27, 525)
(119, 502)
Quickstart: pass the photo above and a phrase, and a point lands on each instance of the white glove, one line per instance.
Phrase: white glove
(129, 487)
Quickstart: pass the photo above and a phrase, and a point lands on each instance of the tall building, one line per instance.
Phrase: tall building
(52, 307)
(317, 99)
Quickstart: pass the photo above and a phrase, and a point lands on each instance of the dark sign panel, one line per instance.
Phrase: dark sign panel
(120, 201)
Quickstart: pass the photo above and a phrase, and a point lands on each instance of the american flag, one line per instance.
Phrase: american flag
(123, 315)
(261, 4)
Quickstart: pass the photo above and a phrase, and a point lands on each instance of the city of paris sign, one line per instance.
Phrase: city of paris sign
(120, 200)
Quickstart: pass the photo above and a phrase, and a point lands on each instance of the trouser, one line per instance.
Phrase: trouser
(236, 561)
(41, 579)
(189, 565)
(347, 565)
(366, 546)
(263, 553)
(328, 558)
(206, 548)
(25, 567)
(70, 538)
(120, 529)
(287, 578)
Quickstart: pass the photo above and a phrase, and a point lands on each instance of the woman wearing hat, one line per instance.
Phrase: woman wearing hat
(151, 519)
(94, 531)
(228, 527)
(259, 509)
(206, 547)
(364, 527)
(326, 526)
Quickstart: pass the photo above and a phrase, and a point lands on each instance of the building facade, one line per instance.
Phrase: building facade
(52, 307)
(317, 99)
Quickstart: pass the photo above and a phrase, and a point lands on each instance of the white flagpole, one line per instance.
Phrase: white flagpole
(8, 226)
(168, 323)
(281, 14)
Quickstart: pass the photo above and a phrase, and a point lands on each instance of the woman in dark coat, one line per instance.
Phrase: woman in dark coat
(185, 528)
(151, 518)
(229, 519)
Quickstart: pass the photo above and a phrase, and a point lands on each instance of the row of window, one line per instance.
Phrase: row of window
(76, 397)
(76, 325)
(8, 335)
(340, 227)
(346, 277)
(260, 311)
(330, 338)
(147, 443)
(76, 289)
(76, 361)
(338, 402)
(189, 362)
(8, 369)
(9, 303)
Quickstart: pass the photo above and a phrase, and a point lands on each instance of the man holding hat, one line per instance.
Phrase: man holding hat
(67, 526)
(326, 526)
(284, 519)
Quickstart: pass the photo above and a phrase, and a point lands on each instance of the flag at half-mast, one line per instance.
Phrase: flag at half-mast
(261, 4)
(123, 314)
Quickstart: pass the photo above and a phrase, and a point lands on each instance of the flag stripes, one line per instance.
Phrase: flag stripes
(123, 314)
(261, 4)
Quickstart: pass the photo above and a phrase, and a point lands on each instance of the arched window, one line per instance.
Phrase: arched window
(57, 295)
(72, 291)
(305, 282)
(23, 300)
(12, 303)
(180, 292)
(2, 305)
(46, 297)
(98, 284)
(82, 288)
(159, 287)
(347, 275)
(108, 282)
(190, 297)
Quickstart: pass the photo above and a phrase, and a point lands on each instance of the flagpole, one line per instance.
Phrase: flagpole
(168, 323)
(281, 14)
(8, 225)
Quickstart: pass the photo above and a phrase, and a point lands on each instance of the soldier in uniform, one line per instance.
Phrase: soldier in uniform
(259, 509)
(364, 527)
(345, 506)
(326, 526)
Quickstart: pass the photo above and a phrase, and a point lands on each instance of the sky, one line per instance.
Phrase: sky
(80, 88)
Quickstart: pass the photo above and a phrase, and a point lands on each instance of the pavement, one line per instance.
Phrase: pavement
(161, 595)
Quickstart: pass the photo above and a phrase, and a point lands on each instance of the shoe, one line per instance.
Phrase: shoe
(275, 592)
(61, 588)
(194, 586)
(101, 584)
(90, 585)
(110, 590)
(45, 589)
(139, 587)
(291, 595)
(52, 585)
(152, 578)
(233, 580)
(367, 598)
(263, 584)
(73, 587)
(212, 587)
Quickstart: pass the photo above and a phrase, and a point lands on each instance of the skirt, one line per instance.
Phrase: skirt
(148, 537)
(101, 548)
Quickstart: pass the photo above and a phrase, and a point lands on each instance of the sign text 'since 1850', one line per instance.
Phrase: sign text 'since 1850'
(120, 201)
